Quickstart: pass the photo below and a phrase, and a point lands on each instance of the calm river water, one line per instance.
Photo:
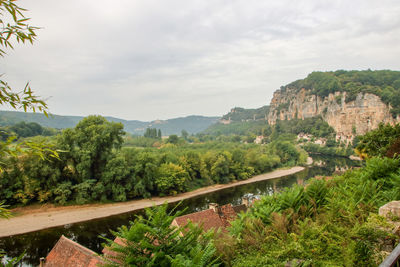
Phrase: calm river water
(38, 244)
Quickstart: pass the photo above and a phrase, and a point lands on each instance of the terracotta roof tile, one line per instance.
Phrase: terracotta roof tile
(210, 219)
(226, 214)
(238, 209)
(69, 253)
(207, 219)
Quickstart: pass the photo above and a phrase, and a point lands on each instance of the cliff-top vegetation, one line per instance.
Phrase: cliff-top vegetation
(244, 114)
(383, 83)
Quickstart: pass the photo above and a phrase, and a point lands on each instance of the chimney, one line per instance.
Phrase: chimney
(245, 201)
(42, 260)
(213, 206)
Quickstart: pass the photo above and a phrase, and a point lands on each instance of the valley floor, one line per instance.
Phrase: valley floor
(30, 219)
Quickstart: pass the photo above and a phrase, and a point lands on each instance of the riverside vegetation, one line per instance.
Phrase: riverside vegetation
(94, 166)
(327, 223)
(98, 163)
(324, 223)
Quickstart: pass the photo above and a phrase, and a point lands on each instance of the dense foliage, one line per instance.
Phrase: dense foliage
(237, 128)
(93, 167)
(383, 83)
(383, 141)
(152, 133)
(23, 129)
(326, 150)
(326, 223)
(315, 126)
(242, 114)
(151, 241)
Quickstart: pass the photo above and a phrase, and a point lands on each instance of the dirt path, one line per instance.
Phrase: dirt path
(31, 220)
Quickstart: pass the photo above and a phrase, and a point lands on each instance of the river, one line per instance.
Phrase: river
(38, 244)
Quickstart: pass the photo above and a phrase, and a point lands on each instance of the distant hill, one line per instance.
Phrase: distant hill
(237, 128)
(240, 121)
(192, 124)
(242, 114)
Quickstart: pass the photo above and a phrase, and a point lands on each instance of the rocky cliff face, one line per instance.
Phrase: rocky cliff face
(354, 117)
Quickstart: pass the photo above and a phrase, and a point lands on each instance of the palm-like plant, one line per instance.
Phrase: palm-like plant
(151, 241)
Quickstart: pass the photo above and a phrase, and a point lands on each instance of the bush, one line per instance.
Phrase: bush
(327, 223)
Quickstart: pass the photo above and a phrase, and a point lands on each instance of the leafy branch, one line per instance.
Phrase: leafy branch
(16, 27)
(25, 99)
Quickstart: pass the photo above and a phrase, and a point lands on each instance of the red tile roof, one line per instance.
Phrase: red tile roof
(209, 218)
(227, 214)
(69, 253)
(238, 209)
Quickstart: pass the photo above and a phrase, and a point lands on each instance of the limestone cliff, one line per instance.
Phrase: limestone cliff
(354, 117)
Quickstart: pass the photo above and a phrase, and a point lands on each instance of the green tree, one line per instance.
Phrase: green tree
(23, 129)
(115, 179)
(144, 171)
(147, 132)
(89, 146)
(173, 139)
(184, 134)
(193, 164)
(286, 151)
(171, 178)
(220, 169)
(378, 141)
(152, 133)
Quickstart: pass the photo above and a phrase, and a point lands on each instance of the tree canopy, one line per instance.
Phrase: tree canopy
(89, 145)
(380, 141)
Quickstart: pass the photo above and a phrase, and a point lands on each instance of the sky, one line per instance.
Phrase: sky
(147, 59)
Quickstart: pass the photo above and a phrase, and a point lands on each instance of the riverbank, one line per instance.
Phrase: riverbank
(29, 220)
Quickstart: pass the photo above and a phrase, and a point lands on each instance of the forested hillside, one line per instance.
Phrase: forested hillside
(237, 128)
(192, 124)
(315, 126)
(243, 114)
(8, 118)
(23, 129)
(240, 121)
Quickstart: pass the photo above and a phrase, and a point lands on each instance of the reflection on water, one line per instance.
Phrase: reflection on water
(335, 165)
(38, 244)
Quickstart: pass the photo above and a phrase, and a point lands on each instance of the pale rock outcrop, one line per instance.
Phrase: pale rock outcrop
(347, 119)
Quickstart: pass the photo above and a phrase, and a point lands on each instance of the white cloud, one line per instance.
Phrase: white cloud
(162, 59)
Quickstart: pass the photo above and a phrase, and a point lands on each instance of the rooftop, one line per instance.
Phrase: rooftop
(69, 253)
(213, 218)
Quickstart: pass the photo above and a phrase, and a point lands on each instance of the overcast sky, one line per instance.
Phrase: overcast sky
(150, 59)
